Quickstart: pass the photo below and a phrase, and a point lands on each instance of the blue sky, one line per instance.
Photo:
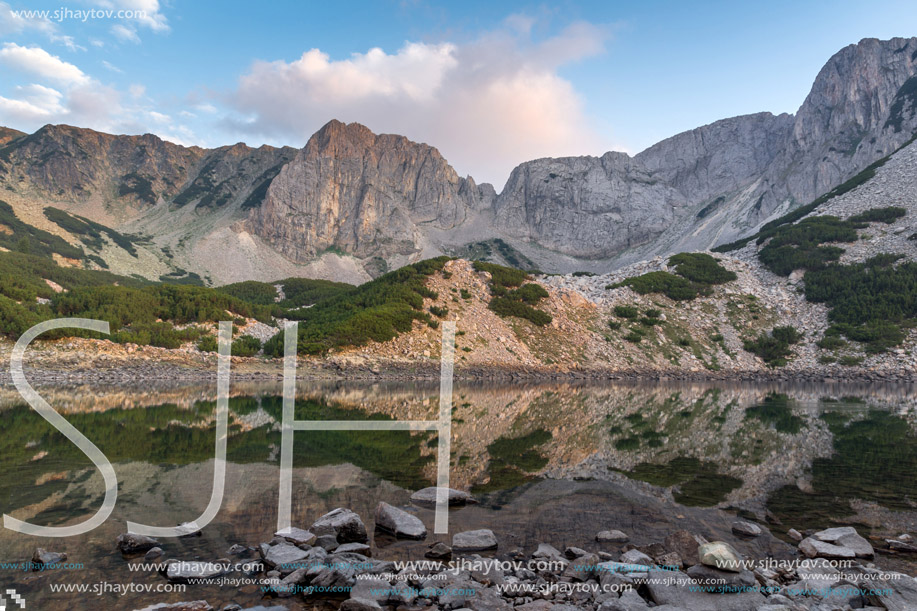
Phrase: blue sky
(490, 84)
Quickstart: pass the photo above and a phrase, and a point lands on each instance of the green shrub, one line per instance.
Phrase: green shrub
(529, 293)
(869, 301)
(774, 349)
(260, 293)
(653, 313)
(375, 311)
(207, 343)
(246, 345)
(830, 342)
(500, 275)
(672, 286)
(684, 341)
(649, 322)
(799, 246)
(787, 334)
(827, 359)
(850, 361)
(300, 292)
(465, 293)
(27, 239)
(701, 268)
(505, 306)
(634, 337)
(623, 311)
(438, 311)
(90, 231)
(614, 325)
(887, 215)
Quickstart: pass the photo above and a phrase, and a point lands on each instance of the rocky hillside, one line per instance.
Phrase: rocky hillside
(352, 204)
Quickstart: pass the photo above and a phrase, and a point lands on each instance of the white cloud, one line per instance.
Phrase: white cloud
(487, 105)
(14, 22)
(146, 13)
(38, 62)
(32, 103)
(125, 33)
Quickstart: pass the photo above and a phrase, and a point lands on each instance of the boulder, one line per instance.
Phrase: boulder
(296, 536)
(721, 555)
(717, 581)
(182, 571)
(355, 548)
(285, 557)
(153, 553)
(439, 551)
(611, 536)
(629, 601)
(846, 536)
(896, 594)
(746, 529)
(474, 540)
(547, 551)
(130, 543)
(635, 556)
(427, 497)
(43, 557)
(685, 544)
(345, 525)
(399, 522)
(813, 548)
(663, 589)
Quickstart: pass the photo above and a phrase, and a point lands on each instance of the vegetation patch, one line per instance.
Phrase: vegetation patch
(871, 302)
(775, 411)
(696, 483)
(513, 459)
(887, 215)
(701, 268)
(774, 348)
(905, 98)
(89, 231)
(874, 458)
(696, 274)
(247, 345)
(27, 239)
(375, 311)
(139, 185)
(510, 297)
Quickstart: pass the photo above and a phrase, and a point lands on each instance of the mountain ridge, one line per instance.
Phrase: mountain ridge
(356, 203)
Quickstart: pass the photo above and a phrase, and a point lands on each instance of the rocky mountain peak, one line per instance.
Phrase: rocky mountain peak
(361, 193)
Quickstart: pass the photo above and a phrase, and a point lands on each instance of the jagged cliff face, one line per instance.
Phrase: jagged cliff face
(598, 207)
(361, 197)
(361, 193)
(853, 116)
(585, 206)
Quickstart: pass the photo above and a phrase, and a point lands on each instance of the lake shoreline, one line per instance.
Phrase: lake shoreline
(261, 369)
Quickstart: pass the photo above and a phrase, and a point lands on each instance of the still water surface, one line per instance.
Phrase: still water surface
(549, 463)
